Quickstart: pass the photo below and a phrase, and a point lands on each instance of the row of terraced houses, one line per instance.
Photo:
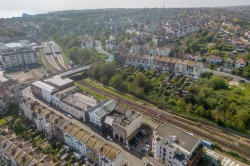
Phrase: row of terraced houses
(165, 64)
(81, 141)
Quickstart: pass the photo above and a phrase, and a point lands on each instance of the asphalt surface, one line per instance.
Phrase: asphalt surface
(223, 74)
(129, 158)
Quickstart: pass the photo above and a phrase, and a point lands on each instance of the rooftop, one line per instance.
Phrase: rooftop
(80, 101)
(126, 118)
(14, 45)
(59, 81)
(104, 108)
(44, 86)
(2, 78)
(183, 139)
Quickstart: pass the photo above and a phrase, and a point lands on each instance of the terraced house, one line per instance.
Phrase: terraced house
(165, 64)
(83, 143)
(15, 151)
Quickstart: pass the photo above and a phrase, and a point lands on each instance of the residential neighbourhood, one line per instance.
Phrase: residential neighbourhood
(117, 86)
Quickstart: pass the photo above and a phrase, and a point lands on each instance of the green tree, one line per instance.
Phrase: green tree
(218, 83)
(18, 126)
(139, 80)
(116, 81)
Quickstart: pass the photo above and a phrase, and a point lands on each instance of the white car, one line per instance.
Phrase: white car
(127, 147)
(143, 131)
(109, 138)
(69, 116)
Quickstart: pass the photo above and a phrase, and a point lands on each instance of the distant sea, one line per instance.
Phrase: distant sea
(16, 13)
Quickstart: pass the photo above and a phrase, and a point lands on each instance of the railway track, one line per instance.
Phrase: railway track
(163, 116)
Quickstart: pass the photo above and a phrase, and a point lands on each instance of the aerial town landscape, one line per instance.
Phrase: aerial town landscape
(126, 87)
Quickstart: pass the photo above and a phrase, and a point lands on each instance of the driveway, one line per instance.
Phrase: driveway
(223, 74)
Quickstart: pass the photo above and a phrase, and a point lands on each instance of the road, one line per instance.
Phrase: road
(245, 41)
(99, 49)
(130, 158)
(223, 74)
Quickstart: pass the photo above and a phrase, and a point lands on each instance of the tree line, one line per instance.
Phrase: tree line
(209, 98)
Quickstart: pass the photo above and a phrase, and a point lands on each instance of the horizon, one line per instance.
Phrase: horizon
(10, 9)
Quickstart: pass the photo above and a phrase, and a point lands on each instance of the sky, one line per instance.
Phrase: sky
(9, 8)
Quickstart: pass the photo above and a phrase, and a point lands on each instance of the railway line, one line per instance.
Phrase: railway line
(186, 124)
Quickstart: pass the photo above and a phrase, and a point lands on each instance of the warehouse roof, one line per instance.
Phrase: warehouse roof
(59, 81)
(44, 86)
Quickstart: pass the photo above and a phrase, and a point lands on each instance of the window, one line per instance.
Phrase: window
(164, 150)
(170, 157)
(170, 152)
(160, 147)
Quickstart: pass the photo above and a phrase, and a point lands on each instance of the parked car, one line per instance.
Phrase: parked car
(148, 142)
(143, 131)
(109, 138)
(65, 113)
(69, 116)
(126, 147)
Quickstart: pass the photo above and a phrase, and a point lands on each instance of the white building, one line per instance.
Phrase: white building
(43, 90)
(240, 63)
(126, 125)
(73, 102)
(97, 114)
(173, 146)
(59, 82)
(17, 55)
(82, 142)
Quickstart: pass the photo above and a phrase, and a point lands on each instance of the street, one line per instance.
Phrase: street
(131, 159)
(223, 74)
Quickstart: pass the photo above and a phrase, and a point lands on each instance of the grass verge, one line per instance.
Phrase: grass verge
(111, 90)
(91, 92)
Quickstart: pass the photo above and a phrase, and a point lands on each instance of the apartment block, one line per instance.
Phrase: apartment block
(172, 146)
(15, 55)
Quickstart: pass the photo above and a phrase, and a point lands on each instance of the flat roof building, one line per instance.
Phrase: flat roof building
(172, 145)
(59, 82)
(43, 90)
(17, 55)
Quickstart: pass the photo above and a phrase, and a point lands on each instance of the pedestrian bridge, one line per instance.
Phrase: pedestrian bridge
(74, 71)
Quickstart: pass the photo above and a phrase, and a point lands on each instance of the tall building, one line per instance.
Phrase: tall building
(175, 147)
(15, 55)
